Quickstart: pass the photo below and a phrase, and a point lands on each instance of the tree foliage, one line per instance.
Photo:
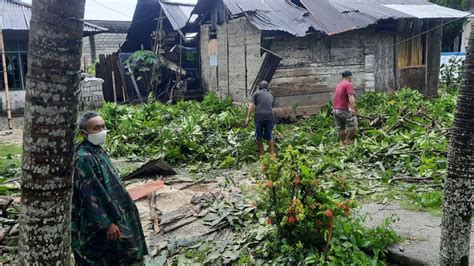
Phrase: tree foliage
(452, 30)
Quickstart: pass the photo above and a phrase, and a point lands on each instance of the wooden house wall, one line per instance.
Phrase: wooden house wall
(311, 68)
(311, 65)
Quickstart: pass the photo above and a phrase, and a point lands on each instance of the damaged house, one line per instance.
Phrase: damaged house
(301, 46)
(164, 28)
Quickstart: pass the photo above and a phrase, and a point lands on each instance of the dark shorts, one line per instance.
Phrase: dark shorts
(344, 119)
(264, 129)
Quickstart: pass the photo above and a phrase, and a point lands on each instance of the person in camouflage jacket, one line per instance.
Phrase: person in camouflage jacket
(106, 228)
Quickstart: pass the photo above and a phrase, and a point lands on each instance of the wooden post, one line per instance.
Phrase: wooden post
(433, 57)
(123, 94)
(124, 80)
(135, 85)
(5, 78)
(113, 86)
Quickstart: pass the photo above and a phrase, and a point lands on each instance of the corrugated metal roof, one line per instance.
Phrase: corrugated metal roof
(329, 16)
(272, 15)
(428, 11)
(16, 16)
(240, 6)
(358, 14)
(178, 15)
(382, 2)
(375, 12)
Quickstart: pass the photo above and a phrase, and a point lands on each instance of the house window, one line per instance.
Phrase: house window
(16, 64)
(410, 53)
(410, 49)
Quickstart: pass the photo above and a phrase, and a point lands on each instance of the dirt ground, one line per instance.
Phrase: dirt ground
(14, 136)
(178, 211)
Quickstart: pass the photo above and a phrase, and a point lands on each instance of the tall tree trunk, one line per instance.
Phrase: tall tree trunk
(54, 61)
(458, 201)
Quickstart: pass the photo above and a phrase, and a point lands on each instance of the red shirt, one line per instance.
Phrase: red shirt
(341, 97)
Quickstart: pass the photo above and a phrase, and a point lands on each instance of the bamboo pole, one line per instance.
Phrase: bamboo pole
(5, 79)
(114, 87)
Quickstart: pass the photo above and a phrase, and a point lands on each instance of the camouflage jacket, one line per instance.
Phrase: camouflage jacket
(99, 199)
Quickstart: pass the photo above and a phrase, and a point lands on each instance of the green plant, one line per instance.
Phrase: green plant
(188, 132)
(10, 160)
(313, 218)
(451, 74)
(144, 65)
(420, 198)
(91, 69)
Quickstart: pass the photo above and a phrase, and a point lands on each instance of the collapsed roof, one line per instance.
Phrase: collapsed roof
(145, 21)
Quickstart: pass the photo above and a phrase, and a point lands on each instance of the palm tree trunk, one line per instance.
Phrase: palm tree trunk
(54, 61)
(456, 223)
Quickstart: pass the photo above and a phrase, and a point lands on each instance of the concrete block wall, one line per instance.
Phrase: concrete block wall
(105, 43)
(17, 100)
(238, 57)
(91, 95)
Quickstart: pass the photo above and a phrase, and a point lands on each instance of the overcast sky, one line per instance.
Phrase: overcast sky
(114, 9)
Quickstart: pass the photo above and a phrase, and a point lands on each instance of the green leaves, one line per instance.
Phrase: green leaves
(188, 132)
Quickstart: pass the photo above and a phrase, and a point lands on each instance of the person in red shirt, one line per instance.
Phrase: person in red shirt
(344, 109)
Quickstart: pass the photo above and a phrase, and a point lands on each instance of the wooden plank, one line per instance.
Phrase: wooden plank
(140, 192)
(135, 85)
(412, 78)
(289, 113)
(122, 78)
(308, 99)
(297, 89)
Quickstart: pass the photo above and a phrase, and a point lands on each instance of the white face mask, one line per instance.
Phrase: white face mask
(97, 138)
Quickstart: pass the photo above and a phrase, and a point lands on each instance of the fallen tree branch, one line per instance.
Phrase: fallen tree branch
(409, 179)
(415, 123)
(399, 122)
(193, 184)
(5, 207)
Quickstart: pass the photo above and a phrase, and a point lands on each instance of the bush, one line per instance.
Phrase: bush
(451, 74)
(313, 217)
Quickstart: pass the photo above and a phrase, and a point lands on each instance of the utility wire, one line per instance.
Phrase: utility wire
(114, 10)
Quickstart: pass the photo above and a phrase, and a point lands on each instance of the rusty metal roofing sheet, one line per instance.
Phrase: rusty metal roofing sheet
(178, 15)
(331, 20)
(16, 16)
(272, 15)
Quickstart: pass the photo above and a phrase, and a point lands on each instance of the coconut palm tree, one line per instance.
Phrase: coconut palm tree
(458, 201)
(54, 61)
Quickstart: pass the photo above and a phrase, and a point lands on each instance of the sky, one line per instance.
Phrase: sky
(114, 9)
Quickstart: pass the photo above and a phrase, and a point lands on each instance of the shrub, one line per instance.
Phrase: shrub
(313, 217)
